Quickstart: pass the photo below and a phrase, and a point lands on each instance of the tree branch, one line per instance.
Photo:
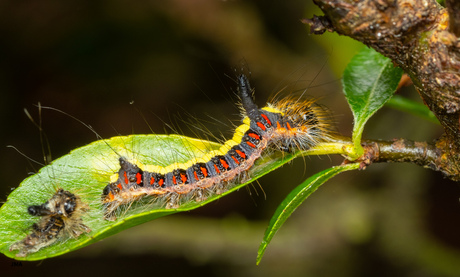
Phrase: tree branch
(402, 150)
(417, 37)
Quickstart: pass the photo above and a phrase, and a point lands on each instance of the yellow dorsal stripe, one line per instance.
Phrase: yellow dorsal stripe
(235, 140)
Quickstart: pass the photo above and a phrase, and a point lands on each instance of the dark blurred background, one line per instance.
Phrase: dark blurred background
(133, 67)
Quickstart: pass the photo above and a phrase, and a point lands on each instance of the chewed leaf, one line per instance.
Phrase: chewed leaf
(87, 170)
(295, 199)
(369, 81)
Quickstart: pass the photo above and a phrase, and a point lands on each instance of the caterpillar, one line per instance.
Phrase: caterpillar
(288, 125)
(60, 216)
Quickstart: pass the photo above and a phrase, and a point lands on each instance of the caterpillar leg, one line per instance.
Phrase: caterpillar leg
(173, 201)
(221, 188)
(199, 196)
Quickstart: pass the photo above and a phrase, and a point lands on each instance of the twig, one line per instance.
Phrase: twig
(402, 150)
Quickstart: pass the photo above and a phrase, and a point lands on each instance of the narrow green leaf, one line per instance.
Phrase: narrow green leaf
(295, 198)
(369, 81)
(87, 170)
(406, 105)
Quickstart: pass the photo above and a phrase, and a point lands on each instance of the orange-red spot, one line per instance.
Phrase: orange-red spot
(138, 178)
(126, 177)
(254, 135)
(204, 171)
(288, 125)
(278, 125)
(236, 161)
(250, 144)
(161, 182)
(183, 177)
(174, 180)
(196, 176)
(261, 126)
(266, 118)
(217, 169)
(152, 180)
(224, 163)
(120, 186)
(241, 153)
(111, 196)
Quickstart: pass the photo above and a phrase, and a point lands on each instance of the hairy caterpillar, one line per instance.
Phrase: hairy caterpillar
(188, 170)
(288, 125)
(60, 216)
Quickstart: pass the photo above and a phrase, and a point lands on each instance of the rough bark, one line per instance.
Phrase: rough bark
(420, 36)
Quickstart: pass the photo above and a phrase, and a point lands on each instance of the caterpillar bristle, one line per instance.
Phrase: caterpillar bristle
(286, 125)
(312, 122)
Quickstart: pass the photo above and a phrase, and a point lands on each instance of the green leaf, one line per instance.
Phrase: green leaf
(406, 105)
(369, 81)
(87, 170)
(295, 199)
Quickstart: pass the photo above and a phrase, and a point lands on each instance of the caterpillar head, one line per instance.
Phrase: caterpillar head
(302, 124)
